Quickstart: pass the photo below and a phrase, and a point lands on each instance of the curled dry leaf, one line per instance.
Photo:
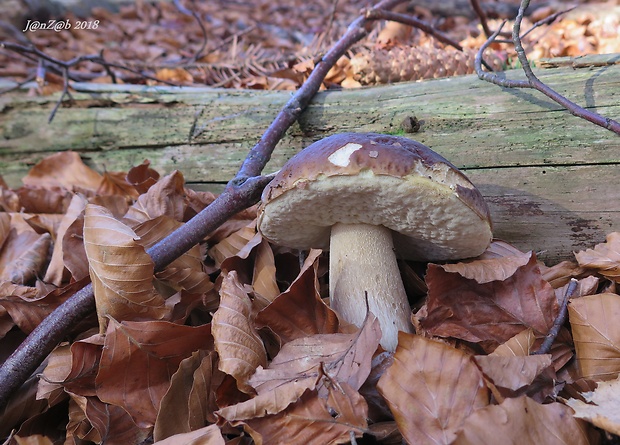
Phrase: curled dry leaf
(64, 169)
(239, 243)
(491, 312)
(431, 388)
(240, 348)
(314, 420)
(518, 346)
(513, 373)
(138, 360)
(112, 423)
(166, 197)
(604, 258)
(191, 396)
(487, 270)
(299, 311)
(300, 365)
(209, 435)
(526, 422)
(264, 277)
(596, 334)
(56, 271)
(602, 407)
(120, 269)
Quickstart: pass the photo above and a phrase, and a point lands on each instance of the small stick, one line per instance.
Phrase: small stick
(482, 17)
(559, 320)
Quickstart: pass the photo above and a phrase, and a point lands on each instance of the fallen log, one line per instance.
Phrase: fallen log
(550, 178)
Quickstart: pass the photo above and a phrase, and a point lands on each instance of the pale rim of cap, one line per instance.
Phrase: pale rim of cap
(436, 213)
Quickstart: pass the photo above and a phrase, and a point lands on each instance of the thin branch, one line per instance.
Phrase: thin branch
(186, 11)
(241, 192)
(532, 81)
(559, 320)
(475, 4)
(382, 14)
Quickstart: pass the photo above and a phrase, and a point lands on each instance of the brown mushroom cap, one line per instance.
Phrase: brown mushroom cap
(436, 213)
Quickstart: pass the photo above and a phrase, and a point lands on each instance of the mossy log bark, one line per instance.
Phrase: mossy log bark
(551, 179)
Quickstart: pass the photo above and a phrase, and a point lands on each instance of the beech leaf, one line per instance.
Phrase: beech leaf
(596, 334)
(526, 422)
(314, 420)
(299, 311)
(120, 269)
(209, 435)
(431, 388)
(240, 348)
(604, 258)
(490, 312)
(138, 361)
(601, 406)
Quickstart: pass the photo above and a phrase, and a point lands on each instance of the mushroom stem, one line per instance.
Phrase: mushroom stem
(362, 262)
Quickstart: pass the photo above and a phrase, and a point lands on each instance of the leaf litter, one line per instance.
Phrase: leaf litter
(235, 341)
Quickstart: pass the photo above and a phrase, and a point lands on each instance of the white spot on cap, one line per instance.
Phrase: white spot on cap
(342, 156)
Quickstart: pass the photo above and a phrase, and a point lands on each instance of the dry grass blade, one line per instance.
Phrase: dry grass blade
(121, 271)
(431, 388)
(596, 333)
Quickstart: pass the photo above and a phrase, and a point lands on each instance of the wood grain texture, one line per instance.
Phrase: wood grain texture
(551, 179)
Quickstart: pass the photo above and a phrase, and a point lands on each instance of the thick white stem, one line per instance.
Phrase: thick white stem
(362, 262)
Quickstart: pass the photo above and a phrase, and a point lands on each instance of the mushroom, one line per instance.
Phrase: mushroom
(369, 198)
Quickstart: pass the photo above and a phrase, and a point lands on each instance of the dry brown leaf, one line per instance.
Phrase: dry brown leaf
(604, 258)
(240, 243)
(491, 312)
(264, 277)
(513, 373)
(5, 227)
(191, 396)
(138, 360)
(596, 334)
(431, 388)
(601, 406)
(64, 169)
(299, 311)
(518, 346)
(73, 241)
(526, 422)
(487, 270)
(142, 177)
(120, 269)
(301, 364)
(28, 306)
(240, 348)
(314, 420)
(166, 197)
(112, 423)
(209, 435)
(56, 271)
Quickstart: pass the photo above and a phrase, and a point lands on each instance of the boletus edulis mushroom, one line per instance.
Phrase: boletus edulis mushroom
(370, 199)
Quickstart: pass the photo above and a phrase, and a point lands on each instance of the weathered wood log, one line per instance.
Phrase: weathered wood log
(551, 179)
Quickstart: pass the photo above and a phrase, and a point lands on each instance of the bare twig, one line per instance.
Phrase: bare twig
(546, 21)
(532, 81)
(186, 11)
(545, 347)
(63, 67)
(475, 4)
(241, 192)
(382, 14)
